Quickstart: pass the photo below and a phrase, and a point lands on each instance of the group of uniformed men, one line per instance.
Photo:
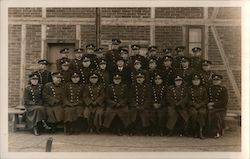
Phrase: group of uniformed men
(154, 95)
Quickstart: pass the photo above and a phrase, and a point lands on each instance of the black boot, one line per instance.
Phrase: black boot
(45, 126)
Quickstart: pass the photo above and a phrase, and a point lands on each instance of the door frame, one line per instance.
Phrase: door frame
(47, 42)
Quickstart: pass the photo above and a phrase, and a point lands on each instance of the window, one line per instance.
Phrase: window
(194, 38)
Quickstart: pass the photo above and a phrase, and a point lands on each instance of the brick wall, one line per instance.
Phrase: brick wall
(179, 12)
(165, 36)
(168, 36)
(71, 12)
(125, 12)
(14, 55)
(25, 12)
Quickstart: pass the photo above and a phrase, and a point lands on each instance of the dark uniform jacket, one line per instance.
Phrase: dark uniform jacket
(44, 76)
(117, 96)
(177, 97)
(140, 96)
(84, 74)
(33, 96)
(66, 75)
(73, 94)
(158, 93)
(196, 63)
(124, 72)
(104, 77)
(135, 72)
(152, 73)
(198, 97)
(219, 96)
(186, 74)
(75, 65)
(53, 95)
(94, 61)
(111, 57)
(206, 78)
(168, 75)
(177, 62)
(93, 95)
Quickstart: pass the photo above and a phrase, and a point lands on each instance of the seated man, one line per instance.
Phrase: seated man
(177, 99)
(197, 106)
(93, 98)
(117, 116)
(217, 106)
(140, 101)
(73, 105)
(43, 74)
(53, 95)
(35, 111)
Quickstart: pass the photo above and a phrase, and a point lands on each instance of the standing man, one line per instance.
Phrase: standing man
(136, 56)
(179, 55)
(196, 59)
(153, 53)
(206, 73)
(53, 95)
(112, 55)
(168, 71)
(92, 56)
(123, 70)
(168, 52)
(66, 72)
(43, 74)
(186, 71)
(217, 106)
(76, 63)
(64, 57)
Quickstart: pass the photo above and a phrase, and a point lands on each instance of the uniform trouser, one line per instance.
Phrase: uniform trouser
(72, 113)
(139, 119)
(174, 114)
(158, 118)
(94, 116)
(216, 121)
(34, 115)
(55, 114)
(197, 116)
(121, 113)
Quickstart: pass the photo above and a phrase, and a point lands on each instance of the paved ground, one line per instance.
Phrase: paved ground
(24, 141)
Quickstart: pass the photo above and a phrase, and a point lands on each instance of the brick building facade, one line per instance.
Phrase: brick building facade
(31, 30)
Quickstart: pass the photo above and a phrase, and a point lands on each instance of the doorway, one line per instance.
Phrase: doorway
(53, 53)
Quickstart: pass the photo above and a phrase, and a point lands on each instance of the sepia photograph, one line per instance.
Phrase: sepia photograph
(108, 78)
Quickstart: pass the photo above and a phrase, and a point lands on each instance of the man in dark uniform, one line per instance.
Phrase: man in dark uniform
(43, 74)
(73, 105)
(217, 106)
(136, 56)
(66, 72)
(90, 54)
(158, 109)
(178, 56)
(117, 114)
(111, 55)
(85, 70)
(196, 59)
(53, 95)
(35, 111)
(186, 71)
(64, 56)
(177, 99)
(99, 53)
(76, 63)
(197, 106)
(140, 101)
(206, 73)
(122, 70)
(168, 71)
(93, 98)
(103, 72)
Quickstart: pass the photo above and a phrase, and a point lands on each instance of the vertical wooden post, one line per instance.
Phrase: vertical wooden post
(43, 32)
(78, 34)
(152, 26)
(206, 32)
(98, 27)
(23, 61)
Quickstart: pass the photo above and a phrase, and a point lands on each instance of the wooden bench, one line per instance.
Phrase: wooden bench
(14, 114)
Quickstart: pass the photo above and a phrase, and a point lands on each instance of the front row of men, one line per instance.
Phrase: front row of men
(151, 109)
